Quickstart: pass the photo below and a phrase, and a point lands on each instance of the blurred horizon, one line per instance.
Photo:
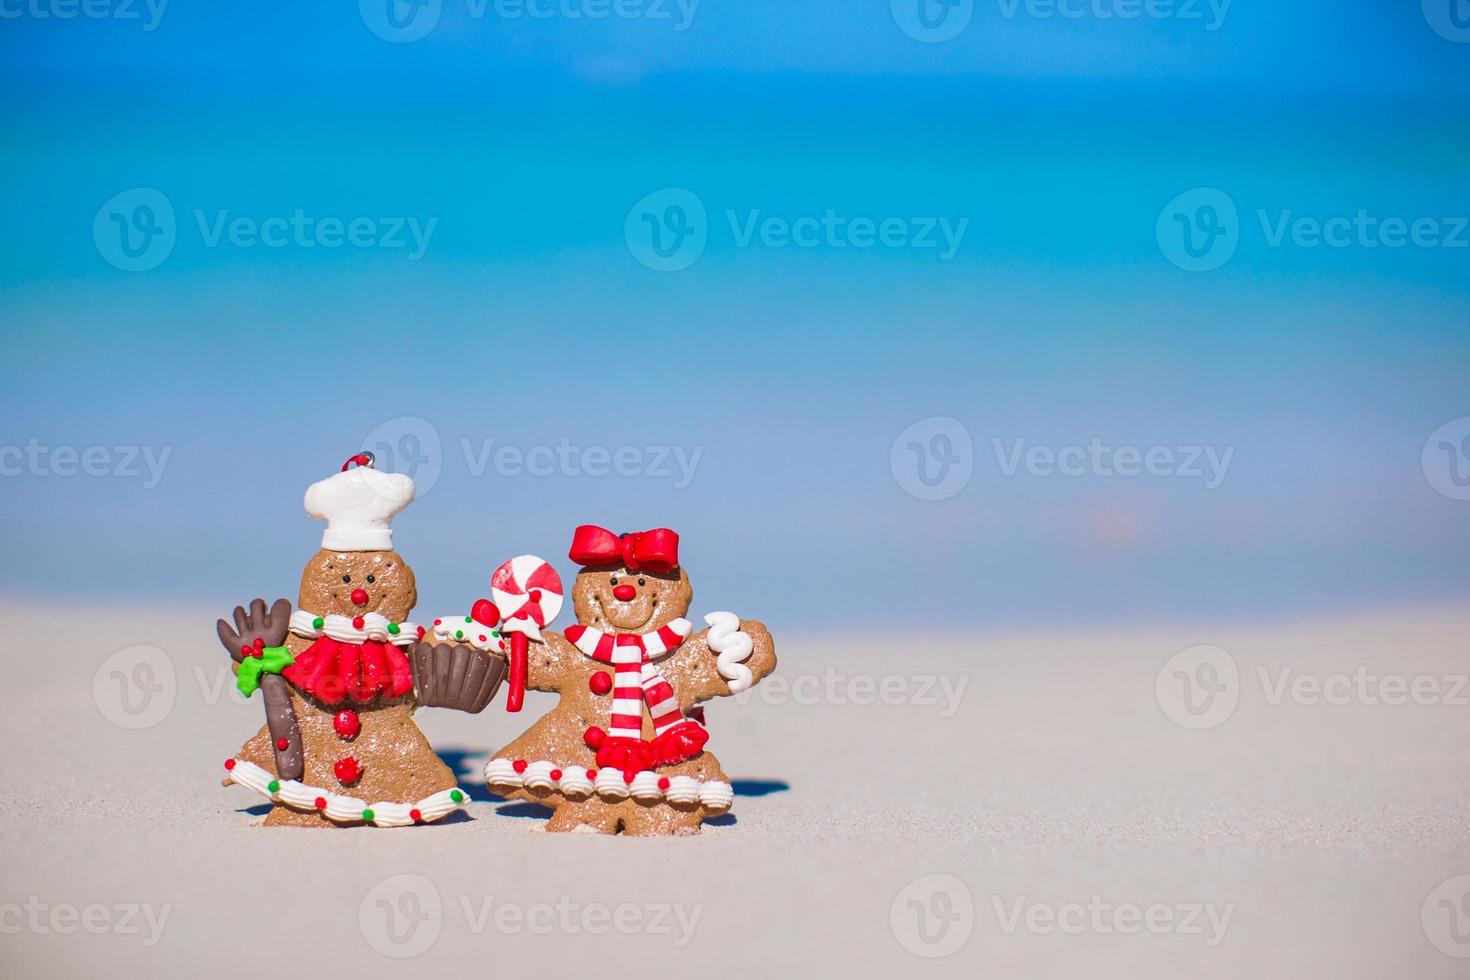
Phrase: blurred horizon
(530, 153)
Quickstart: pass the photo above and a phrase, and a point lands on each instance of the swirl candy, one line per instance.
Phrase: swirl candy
(732, 646)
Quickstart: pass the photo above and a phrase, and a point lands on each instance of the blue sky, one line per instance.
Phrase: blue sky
(520, 147)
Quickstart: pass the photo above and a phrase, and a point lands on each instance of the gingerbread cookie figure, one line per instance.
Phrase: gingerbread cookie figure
(341, 676)
(624, 748)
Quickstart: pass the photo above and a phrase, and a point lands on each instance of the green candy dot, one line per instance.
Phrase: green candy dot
(495, 633)
(367, 815)
(275, 786)
(393, 628)
(318, 623)
(467, 619)
(459, 634)
(456, 796)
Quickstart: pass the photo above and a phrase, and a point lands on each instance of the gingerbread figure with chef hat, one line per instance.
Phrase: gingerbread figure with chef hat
(624, 749)
(341, 675)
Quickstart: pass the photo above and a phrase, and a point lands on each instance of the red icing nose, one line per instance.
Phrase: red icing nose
(624, 593)
(359, 597)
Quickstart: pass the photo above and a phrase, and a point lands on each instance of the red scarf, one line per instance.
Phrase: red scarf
(330, 670)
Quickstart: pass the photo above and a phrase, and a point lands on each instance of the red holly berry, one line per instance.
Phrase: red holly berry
(347, 771)
(258, 643)
(346, 724)
(519, 765)
(600, 682)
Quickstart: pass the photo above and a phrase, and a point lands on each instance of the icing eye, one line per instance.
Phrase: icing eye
(347, 578)
(371, 580)
(641, 582)
(613, 580)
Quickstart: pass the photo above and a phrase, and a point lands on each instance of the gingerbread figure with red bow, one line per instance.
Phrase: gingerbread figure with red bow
(624, 750)
(341, 676)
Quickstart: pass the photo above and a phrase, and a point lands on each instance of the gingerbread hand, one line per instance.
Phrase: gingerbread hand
(257, 624)
(715, 664)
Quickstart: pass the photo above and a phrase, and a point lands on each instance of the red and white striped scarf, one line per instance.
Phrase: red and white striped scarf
(636, 680)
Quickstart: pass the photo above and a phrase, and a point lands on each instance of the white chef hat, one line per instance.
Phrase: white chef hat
(358, 505)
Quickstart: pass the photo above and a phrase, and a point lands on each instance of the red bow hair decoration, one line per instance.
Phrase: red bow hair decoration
(654, 551)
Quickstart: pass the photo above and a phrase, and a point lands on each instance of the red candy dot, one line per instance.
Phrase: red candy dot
(600, 682)
(519, 765)
(438, 621)
(421, 632)
(229, 763)
(594, 737)
(357, 622)
(591, 773)
(321, 802)
(415, 816)
(347, 770)
(556, 774)
(282, 744)
(663, 782)
(346, 724)
(628, 775)
(482, 637)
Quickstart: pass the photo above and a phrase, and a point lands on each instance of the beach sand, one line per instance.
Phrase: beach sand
(1022, 803)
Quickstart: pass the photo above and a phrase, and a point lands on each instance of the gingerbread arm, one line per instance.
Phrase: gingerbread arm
(694, 669)
(546, 662)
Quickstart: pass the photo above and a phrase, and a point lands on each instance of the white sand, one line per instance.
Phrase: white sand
(1059, 781)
